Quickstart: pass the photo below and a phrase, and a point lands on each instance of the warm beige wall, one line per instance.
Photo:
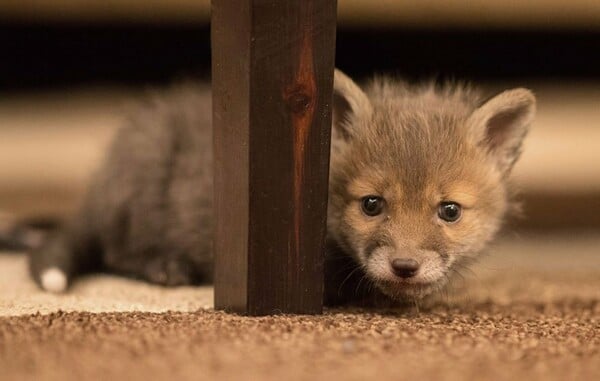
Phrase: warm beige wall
(476, 13)
(486, 13)
(107, 10)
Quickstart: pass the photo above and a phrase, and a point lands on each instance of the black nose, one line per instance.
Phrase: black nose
(405, 267)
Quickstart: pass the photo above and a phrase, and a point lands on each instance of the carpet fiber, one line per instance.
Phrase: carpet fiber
(529, 311)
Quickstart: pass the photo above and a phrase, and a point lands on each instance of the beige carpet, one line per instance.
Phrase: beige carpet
(545, 343)
(530, 310)
(96, 293)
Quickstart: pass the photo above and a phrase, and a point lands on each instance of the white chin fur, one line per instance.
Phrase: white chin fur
(54, 280)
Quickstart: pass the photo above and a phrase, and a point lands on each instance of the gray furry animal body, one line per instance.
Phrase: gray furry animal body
(148, 210)
(406, 150)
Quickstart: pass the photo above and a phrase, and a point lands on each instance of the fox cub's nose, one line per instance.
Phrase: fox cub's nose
(405, 267)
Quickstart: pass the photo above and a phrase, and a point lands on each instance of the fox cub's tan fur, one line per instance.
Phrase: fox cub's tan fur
(418, 186)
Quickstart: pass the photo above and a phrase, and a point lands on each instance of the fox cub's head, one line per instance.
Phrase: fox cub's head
(419, 177)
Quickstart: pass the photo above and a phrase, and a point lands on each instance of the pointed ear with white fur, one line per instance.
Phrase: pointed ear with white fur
(500, 125)
(350, 104)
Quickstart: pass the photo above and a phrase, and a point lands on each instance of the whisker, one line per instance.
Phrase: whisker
(371, 284)
(458, 274)
(467, 268)
(443, 290)
(456, 271)
(416, 302)
(360, 282)
(347, 278)
(345, 268)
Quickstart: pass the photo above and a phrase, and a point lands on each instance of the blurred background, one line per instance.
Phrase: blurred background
(69, 69)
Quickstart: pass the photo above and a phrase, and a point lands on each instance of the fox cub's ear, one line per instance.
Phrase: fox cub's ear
(350, 105)
(502, 122)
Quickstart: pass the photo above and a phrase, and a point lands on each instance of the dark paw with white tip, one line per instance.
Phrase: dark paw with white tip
(53, 280)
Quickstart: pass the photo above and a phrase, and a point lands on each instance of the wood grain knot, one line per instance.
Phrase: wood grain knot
(299, 101)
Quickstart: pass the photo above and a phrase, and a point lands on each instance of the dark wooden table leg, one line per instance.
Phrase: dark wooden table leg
(272, 75)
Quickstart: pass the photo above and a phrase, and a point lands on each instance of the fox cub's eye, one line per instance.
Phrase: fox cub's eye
(372, 205)
(449, 211)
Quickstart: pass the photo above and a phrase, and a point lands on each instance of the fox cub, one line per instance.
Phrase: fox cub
(418, 185)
